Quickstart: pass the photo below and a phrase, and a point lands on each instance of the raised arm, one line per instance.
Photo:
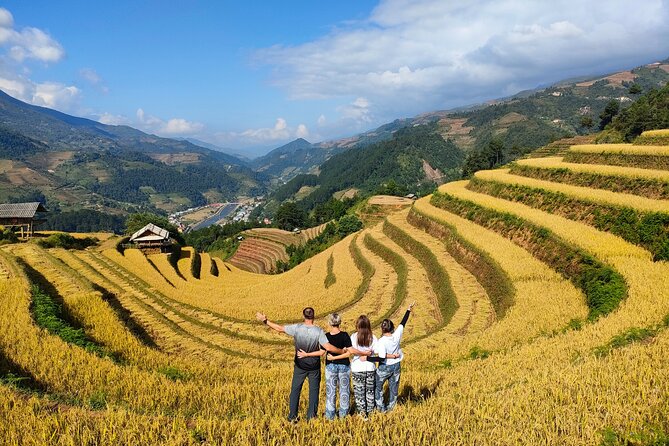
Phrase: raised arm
(263, 318)
(405, 319)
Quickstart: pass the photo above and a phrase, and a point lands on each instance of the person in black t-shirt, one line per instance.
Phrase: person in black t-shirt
(337, 371)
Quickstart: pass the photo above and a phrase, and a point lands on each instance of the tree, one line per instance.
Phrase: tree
(392, 188)
(611, 110)
(494, 152)
(290, 216)
(330, 210)
(635, 89)
(348, 224)
(650, 111)
(587, 122)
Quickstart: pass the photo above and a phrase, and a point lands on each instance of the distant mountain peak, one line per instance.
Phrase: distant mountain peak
(297, 144)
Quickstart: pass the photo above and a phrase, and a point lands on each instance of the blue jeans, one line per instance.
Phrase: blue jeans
(390, 373)
(337, 376)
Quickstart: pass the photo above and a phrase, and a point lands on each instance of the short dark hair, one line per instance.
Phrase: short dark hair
(309, 313)
(387, 326)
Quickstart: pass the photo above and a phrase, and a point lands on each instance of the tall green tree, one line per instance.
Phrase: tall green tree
(611, 110)
(290, 216)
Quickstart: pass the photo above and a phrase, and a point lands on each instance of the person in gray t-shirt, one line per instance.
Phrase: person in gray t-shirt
(309, 338)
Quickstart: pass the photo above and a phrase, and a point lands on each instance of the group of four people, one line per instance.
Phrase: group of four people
(364, 351)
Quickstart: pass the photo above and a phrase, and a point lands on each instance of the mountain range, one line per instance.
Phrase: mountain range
(526, 120)
(518, 124)
(79, 163)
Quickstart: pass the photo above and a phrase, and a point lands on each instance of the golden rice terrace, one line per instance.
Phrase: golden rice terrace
(542, 311)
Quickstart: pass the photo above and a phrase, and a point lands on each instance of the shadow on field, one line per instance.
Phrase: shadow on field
(411, 395)
(125, 316)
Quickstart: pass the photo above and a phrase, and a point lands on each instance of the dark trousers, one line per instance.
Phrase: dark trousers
(299, 376)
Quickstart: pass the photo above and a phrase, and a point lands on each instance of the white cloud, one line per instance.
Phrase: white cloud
(302, 131)
(55, 95)
(178, 126)
(170, 127)
(411, 56)
(264, 136)
(279, 132)
(21, 45)
(357, 111)
(45, 94)
(111, 119)
(29, 42)
(90, 75)
(321, 120)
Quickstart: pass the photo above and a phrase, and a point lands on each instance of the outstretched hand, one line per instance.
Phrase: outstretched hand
(411, 305)
(261, 317)
(301, 354)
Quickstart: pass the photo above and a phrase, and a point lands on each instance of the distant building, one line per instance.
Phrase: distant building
(152, 237)
(23, 217)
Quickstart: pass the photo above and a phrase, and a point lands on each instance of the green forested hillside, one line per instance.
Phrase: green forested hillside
(78, 164)
(416, 159)
(651, 111)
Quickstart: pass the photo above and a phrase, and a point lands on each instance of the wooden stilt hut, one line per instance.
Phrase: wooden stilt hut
(22, 217)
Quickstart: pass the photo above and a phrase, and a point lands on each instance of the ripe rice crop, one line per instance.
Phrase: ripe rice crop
(240, 295)
(378, 295)
(601, 169)
(653, 137)
(625, 149)
(584, 193)
(539, 373)
(661, 132)
(474, 311)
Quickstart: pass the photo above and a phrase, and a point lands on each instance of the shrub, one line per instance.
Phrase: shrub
(66, 241)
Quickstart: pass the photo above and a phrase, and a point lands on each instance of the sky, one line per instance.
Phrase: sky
(252, 76)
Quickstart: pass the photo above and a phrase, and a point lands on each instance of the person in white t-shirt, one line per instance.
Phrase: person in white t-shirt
(388, 346)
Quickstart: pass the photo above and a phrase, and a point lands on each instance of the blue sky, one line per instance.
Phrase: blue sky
(254, 75)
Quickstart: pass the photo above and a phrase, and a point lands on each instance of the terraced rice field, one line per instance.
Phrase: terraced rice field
(541, 318)
(263, 247)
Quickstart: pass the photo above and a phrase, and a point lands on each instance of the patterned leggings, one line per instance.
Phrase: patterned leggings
(363, 390)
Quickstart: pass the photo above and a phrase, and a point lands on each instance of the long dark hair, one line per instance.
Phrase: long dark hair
(364, 330)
